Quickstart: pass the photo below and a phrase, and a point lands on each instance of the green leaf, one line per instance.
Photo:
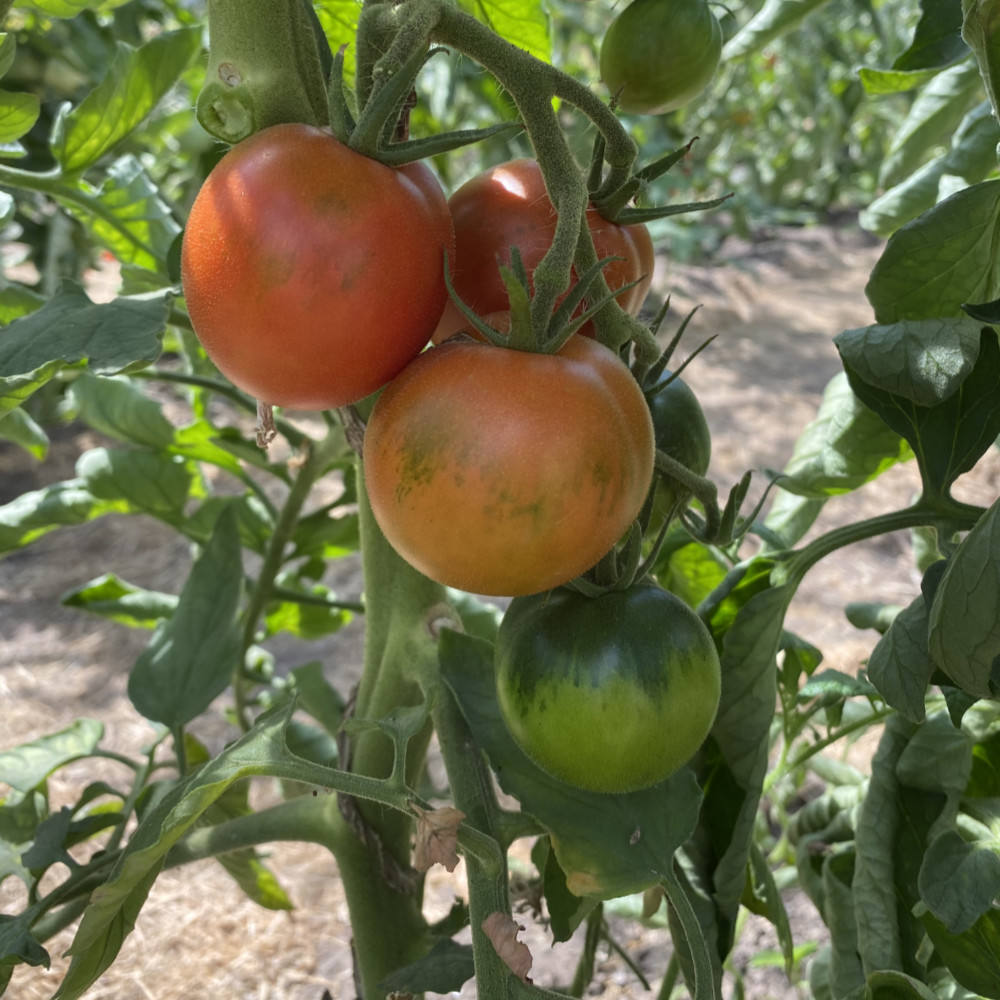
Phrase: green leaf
(17, 301)
(134, 84)
(959, 880)
(964, 639)
(127, 214)
(317, 696)
(18, 113)
(834, 685)
(70, 8)
(774, 19)
(973, 958)
(874, 890)
(8, 49)
(878, 82)
(17, 426)
(192, 656)
(937, 38)
(608, 845)
(844, 447)
(70, 330)
(28, 765)
(937, 758)
(566, 911)
(147, 482)
(932, 119)
(34, 514)
(122, 602)
(763, 892)
(846, 970)
(900, 665)
(949, 437)
(116, 408)
(525, 23)
(692, 572)
(972, 158)
(18, 943)
(924, 362)
(941, 260)
(307, 620)
(444, 969)
(114, 907)
(891, 985)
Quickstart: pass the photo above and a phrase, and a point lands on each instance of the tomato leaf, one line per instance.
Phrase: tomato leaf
(608, 845)
(27, 766)
(116, 408)
(122, 602)
(774, 19)
(70, 330)
(959, 880)
(525, 23)
(134, 84)
(900, 665)
(941, 260)
(127, 214)
(844, 447)
(444, 969)
(924, 362)
(937, 38)
(70, 8)
(143, 481)
(931, 120)
(114, 907)
(964, 638)
(950, 435)
(18, 113)
(191, 656)
(34, 514)
(17, 426)
(18, 943)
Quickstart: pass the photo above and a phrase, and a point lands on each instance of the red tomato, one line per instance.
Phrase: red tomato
(508, 206)
(506, 472)
(314, 274)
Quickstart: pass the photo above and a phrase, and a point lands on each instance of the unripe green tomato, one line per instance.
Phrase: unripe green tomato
(609, 694)
(680, 430)
(659, 55)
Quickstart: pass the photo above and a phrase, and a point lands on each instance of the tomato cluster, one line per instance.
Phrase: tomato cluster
(314, 277)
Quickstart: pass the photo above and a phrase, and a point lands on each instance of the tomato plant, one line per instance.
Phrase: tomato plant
(507, 472)
(508, 206)
(659, 55)
(313, 274)
(313, 270)
(611, 693)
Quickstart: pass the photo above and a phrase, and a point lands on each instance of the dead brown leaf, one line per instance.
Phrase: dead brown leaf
(437, 837)
(502, 931)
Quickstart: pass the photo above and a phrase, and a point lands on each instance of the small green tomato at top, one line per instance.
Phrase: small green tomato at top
(659, 55)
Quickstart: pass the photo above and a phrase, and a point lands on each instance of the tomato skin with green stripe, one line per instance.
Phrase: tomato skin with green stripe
(609, 694)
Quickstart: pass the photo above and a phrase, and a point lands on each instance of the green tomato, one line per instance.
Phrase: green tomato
(680, 430)
(609, 694)
(661, 54)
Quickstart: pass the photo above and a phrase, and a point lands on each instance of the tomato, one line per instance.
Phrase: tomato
(659, 55)
(313, 274)
(507, 206)
(505, 472)
(609, 694)
(681, 431)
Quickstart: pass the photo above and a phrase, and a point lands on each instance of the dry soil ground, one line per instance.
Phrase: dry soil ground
(775, 306)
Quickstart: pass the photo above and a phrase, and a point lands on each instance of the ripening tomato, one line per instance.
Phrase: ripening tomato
(508, 206)
(612, 693)
(505, 472)
(313, 274)
(659, 55)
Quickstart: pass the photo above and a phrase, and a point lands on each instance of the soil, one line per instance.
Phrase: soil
(774, 305)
